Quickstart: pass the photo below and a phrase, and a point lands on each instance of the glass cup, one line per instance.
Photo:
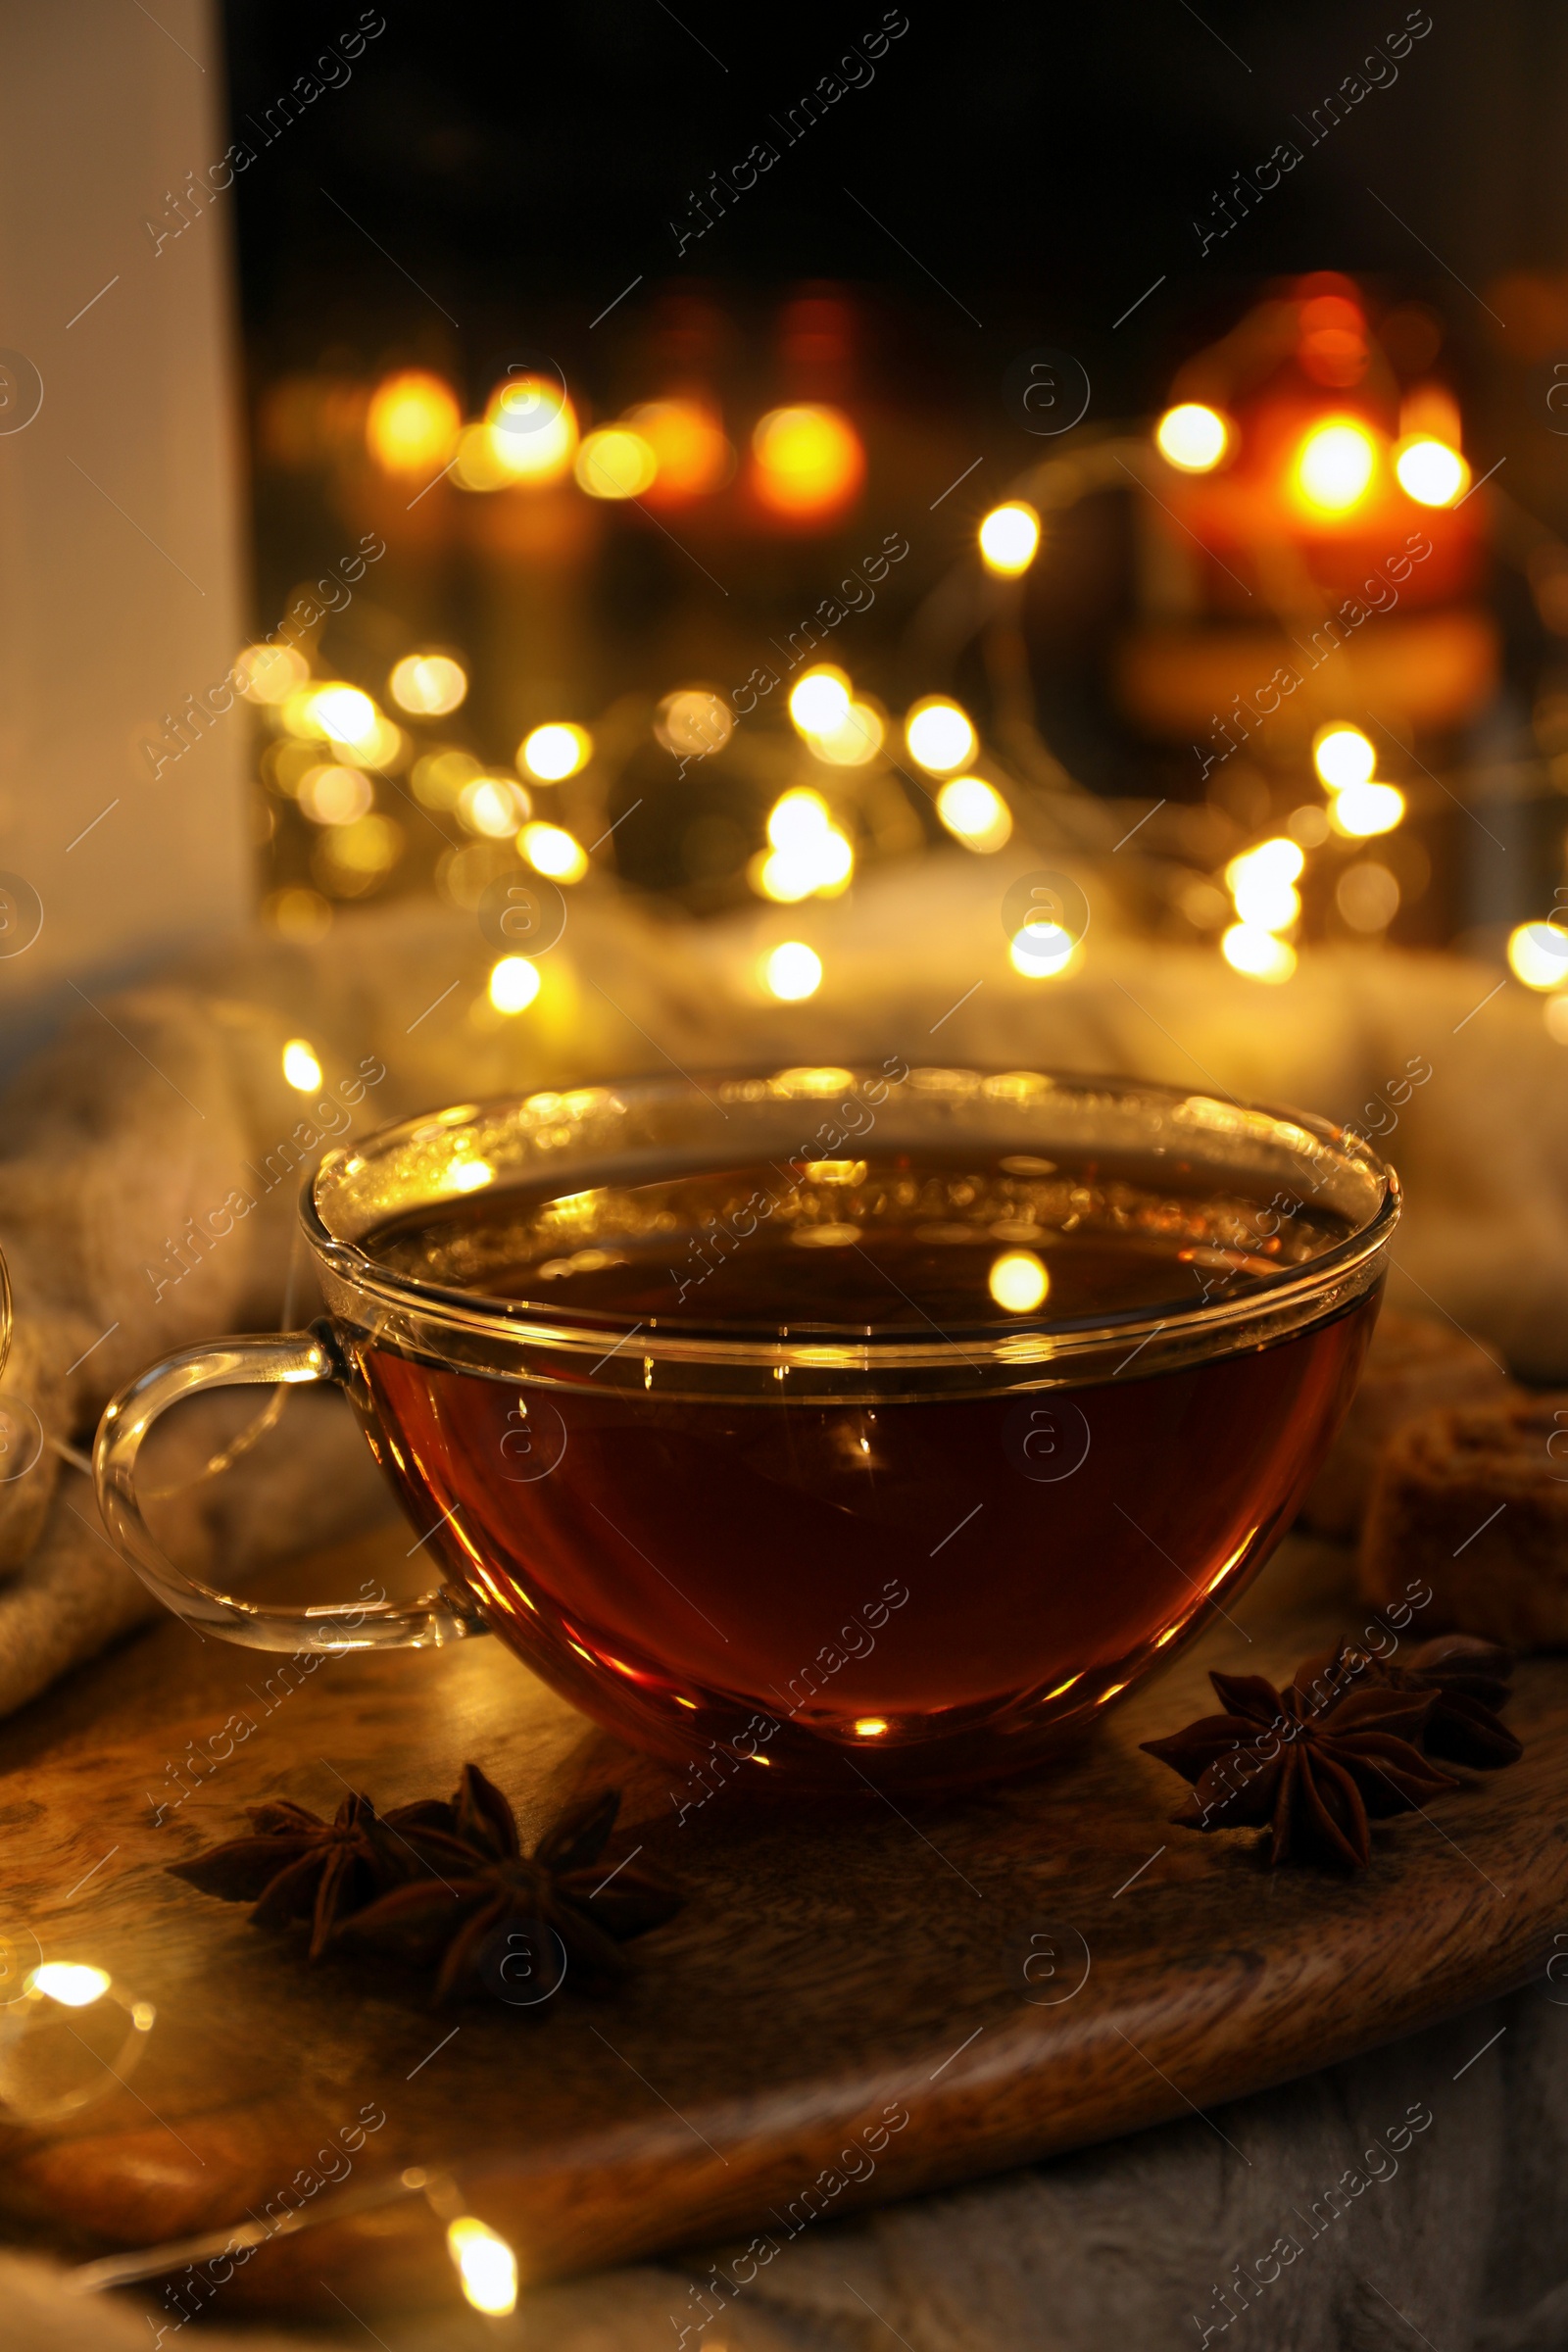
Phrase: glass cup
(773, 1549)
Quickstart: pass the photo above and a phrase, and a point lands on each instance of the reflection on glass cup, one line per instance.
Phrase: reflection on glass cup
(900, 1416)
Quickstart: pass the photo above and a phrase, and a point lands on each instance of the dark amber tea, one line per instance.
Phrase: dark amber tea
(828, 1422)
(872, 1577)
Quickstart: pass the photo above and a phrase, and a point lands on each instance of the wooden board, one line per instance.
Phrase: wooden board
(830, 1975)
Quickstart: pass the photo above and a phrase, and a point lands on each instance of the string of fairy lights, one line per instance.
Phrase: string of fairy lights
(1332, 469)
(331, 742)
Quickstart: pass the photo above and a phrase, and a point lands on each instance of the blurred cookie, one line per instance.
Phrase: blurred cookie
(1414, 1363)
(1474, 1500)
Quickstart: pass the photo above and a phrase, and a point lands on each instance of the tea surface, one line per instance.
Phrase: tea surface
(866, 1244)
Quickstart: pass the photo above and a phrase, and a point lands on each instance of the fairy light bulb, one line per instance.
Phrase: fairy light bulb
(1249, 949)
(1342, 754)
(1009, 538)
(975, 814)
(551, 850)
(939, 736)
(556, 750)
(428, 685)
(820, 701)
(792, 972)
(1332, 469)
(1538, 954)
(1192, 437)
(1042, 951)
(1431, 472)
(514, 984)
(486, 2267)
(301, 1067)
(1362, 809)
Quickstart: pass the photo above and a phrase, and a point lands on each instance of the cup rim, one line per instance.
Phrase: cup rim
(696, 1340)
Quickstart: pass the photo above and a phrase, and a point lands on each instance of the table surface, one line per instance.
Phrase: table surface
(844, 2001)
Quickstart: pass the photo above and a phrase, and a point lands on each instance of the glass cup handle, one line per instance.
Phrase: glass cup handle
(298, 1358)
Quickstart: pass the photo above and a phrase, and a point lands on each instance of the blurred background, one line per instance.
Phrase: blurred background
(727, 470)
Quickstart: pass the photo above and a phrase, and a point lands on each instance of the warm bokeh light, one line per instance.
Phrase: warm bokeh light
(857, 739)
(1042, 951)
(1192, 437)
(1362, 809)
(819, 700)
(1280, 860)
(786, 877)
(798, 818)
(871, 1726)
(530, 432)
(301, 1067)
(1334, 466)
(822, 866)
(551, 850)
(975, 814)
(492, 806)
(514, 984)
(428, 685)
(616, 463)
(1260, 881)
(556, 750)
(1556, 1011)
(296, 711)
(1308, 825)
(468, 1175)
(1247, 948)
(334, 795)
(792, 972)
(340, 712)
(413, 423)
(486, 2267)
(693, 722)
(808, 854)
(939, 736)
(1342, 756)
(1008, 538)
(1019, 1281)
(346, 717)
(1431, 472)
(809, 461)
(270, 674)
(71, 1983)
(1537, 954)
(692, 456)
(1262, 898)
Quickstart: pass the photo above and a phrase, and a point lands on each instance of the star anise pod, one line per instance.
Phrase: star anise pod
(498, 1918)
(295, 1866)
(1314, 1777)
(1469, 1680)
